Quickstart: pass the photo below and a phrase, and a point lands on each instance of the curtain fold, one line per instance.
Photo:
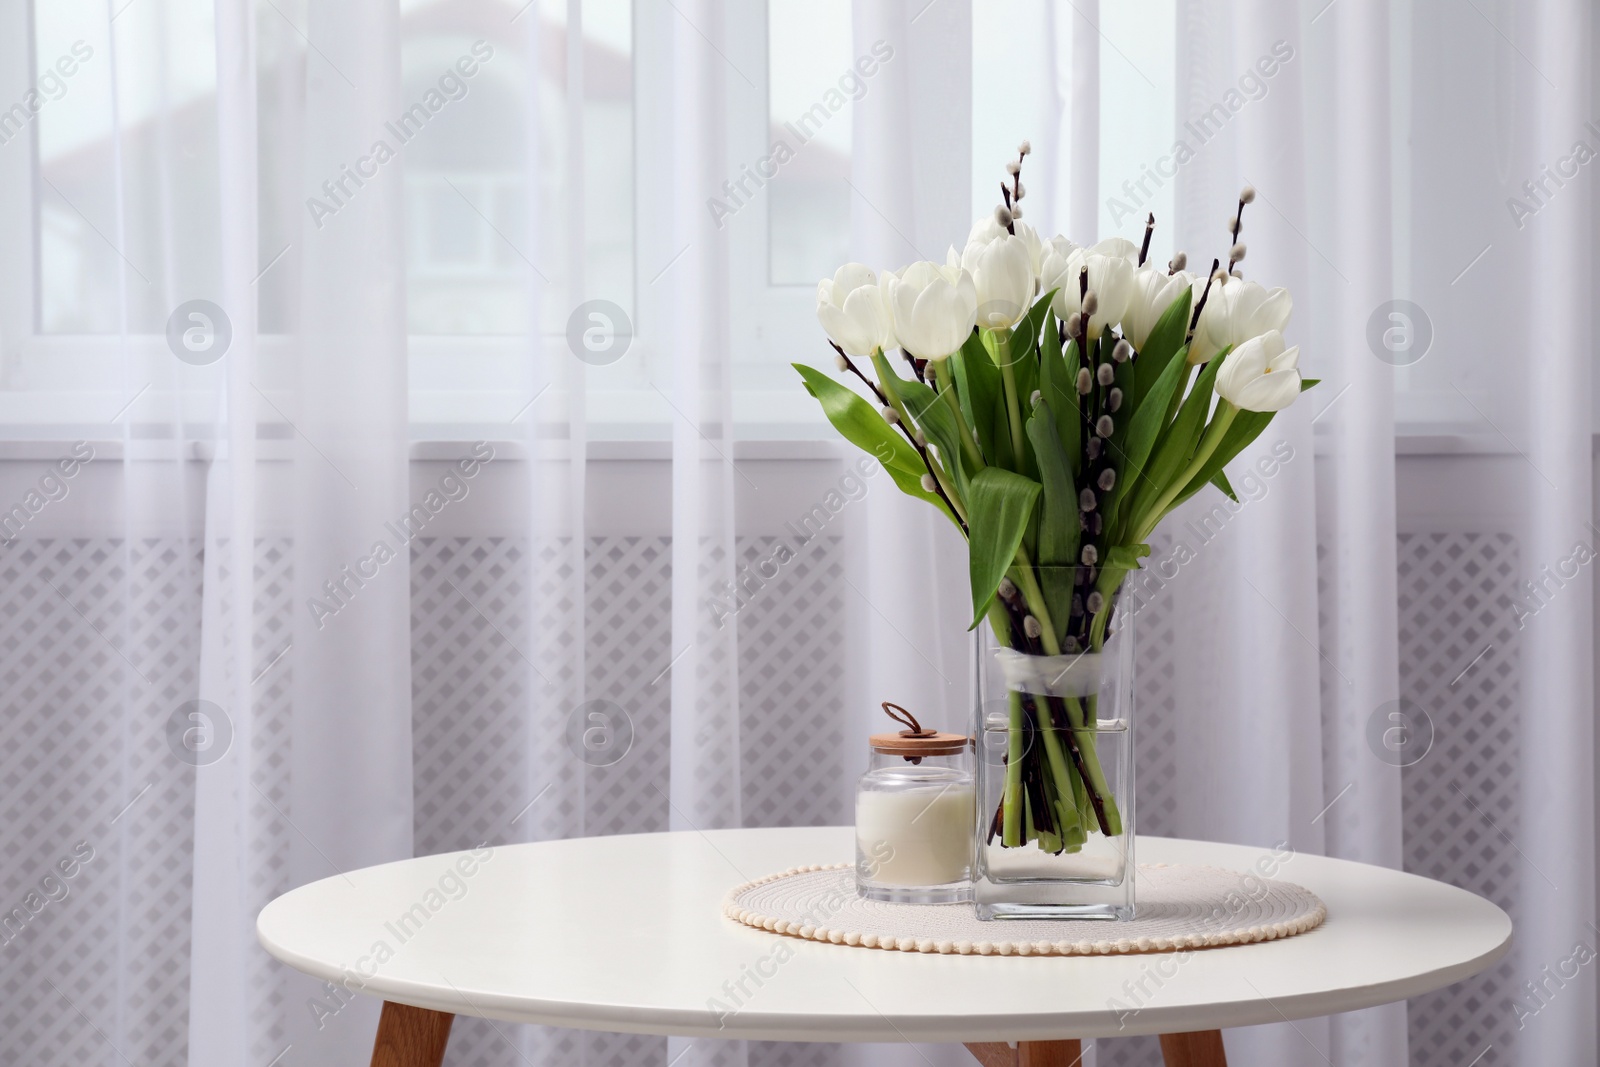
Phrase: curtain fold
(261, 626)
(220, 974)
(705, 784)
(1363, 521)
(705, 772)
(911, 618)
(910, 655)
(1083, 149)
(1555, 912)
(321, 784)
(1235, 586)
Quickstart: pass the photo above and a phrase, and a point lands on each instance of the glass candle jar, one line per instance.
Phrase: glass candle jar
(915, 816)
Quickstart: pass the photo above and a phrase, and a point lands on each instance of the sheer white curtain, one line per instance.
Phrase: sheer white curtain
(908, 197)
(546, 658)
(1355, 209)
(1280, 681)
(1259, 761)
(325, 785)
(704, 771)
(906, 205)
(1557, 756)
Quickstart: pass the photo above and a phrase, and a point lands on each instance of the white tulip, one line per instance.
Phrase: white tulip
(1061, 246)
(983, 231)
(932, 307)
(1153, 292)
(1005, 270)
(1056, 254)
(1260, 374)
(1030, 237)
(1235, 312)
(1118, 248)
(988, 229)
(1111, 279)
(852, 307)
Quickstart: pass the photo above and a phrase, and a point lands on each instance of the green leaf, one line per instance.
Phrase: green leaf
(1137, 443)
(1025, 367)
(1166, 337)
(1058, 385)
(1307, 383)
(932, 416)
(977, 387)
(911, 485)
(1184, 434)
(1050, 339)
(1125, 557)
(860, 423)
(1059, 526)
(1177, 444)
(1246, 427)
(997, 446)
(1033, 322)
(1015, 360)
(1220, 480)
(999, 506)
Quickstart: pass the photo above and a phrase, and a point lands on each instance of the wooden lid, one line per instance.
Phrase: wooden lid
(915, 743)
(931, 743)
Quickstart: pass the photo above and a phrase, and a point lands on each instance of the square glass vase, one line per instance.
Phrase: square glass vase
(1054, 780)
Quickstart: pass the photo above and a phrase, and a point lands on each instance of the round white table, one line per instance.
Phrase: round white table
(627, 934)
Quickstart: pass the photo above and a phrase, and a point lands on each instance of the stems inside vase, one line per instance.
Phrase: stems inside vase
(1056, 791)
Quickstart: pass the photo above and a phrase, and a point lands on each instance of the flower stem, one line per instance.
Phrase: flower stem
(942, 481)
(1036, 602)
(1055, 758)
(947, 389)
(1177, 397)
(1002, 346)
(1081, 739)
(1016, 744)
(1224, 417)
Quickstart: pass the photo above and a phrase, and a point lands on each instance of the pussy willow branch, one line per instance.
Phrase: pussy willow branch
(1017, 612)
(883, 401)
(917, 366)
(1194, 320)
(922, 450)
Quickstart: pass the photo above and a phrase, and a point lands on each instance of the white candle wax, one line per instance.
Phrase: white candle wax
(916, 837)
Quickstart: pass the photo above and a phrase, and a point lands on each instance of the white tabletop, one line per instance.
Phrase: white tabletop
(626, 934)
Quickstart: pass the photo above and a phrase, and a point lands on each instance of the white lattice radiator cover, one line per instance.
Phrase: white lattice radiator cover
(85, 736)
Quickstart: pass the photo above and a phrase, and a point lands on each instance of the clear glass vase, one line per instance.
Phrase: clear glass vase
(1054, 770)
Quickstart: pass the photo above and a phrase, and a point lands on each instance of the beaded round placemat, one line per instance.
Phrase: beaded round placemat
(1179, 907)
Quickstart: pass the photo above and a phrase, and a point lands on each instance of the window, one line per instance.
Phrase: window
(94, 255)
(808, 206)
(116, 191)
(1022, 76)
(469, 241)
(468, 238)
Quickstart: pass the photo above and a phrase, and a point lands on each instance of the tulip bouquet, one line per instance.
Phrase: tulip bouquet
(1057, 403)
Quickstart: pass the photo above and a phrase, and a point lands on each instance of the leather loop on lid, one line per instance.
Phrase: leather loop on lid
(915, 742)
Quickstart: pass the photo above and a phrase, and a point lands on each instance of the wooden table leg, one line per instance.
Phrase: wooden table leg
(1067, 1053)
(1198, 1048)
(410, 1037)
